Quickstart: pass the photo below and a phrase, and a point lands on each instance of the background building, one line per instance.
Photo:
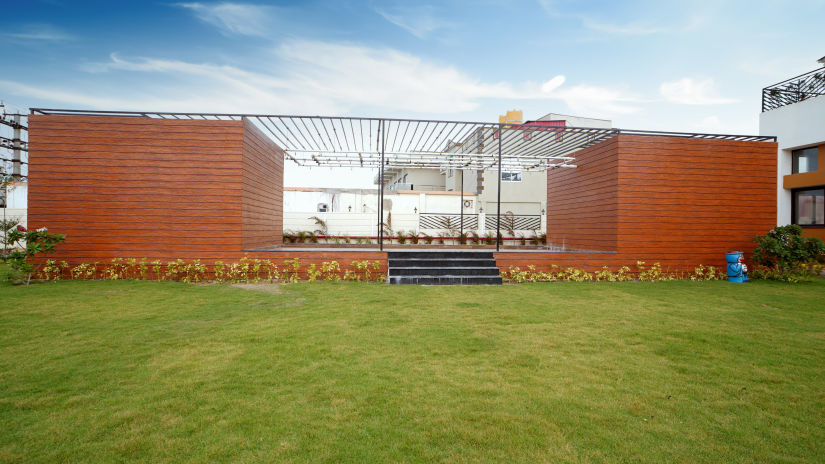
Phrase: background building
(794, 111)
(522, 193)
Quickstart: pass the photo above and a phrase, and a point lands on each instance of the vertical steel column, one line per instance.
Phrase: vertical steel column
(498, 201)
(381, 190)
(461, 207)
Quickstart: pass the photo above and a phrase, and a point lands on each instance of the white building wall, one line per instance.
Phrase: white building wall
(526, 197)
(16, 202)
(798, 125)
(577, 121)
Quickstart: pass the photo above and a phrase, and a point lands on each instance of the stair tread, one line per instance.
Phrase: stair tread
(442, 267)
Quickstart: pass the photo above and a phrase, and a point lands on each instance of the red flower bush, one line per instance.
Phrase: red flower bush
(22, 229)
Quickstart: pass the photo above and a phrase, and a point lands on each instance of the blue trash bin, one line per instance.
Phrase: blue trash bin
(737, 270)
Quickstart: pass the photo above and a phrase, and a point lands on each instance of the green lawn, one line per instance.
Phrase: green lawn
(353, 372)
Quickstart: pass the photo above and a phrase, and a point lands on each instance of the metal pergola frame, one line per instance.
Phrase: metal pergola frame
(361, 142)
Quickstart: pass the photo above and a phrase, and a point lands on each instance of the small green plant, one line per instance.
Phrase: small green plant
(7, 225)
(331, 271)
(401, 237)
(53, 270)
(442, 236)
(271, 270)
(706, 273)
(84, 271)
(220, 272)
(156, 267)
(31, 246)
(143, 268)
(290, 271)
(115, 270)
(175, 269)
(312, 273)
(322, 229)
(489, 238)
(193, 272)
(474, 238)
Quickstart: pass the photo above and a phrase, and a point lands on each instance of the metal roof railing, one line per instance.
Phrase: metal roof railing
(794, 90)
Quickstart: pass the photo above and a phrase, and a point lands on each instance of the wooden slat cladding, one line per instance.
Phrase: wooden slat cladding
(689, 201)
(156, 188)
(123, 186)
(263, 189)
(681, 202)
(582, 202)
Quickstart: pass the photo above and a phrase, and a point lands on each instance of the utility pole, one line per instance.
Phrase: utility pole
(16, 157)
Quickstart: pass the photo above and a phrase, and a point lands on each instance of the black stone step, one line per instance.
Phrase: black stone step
(440, 255)
(451, 267)
(440, 271)
(451, 262)
(444, 280)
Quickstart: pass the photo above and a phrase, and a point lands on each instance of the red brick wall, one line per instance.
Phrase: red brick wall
(582, 202)
(123, 186)
(681, 202)
(688, 201)
(263, 189)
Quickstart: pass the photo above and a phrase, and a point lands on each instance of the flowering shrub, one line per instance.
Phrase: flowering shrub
(652, 274)
(30, 243)
(245, 270)
(784, 254)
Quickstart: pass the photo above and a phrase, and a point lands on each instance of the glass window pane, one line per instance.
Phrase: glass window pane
(805, 160)
(511, 176)
(810, 207)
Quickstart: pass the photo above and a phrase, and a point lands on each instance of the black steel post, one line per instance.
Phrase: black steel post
(381, 191)
(461, 207)
(498, 201)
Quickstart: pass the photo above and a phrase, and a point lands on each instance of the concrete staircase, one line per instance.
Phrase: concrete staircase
(443, 268)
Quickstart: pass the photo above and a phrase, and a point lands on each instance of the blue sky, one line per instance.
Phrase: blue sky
(687, 65)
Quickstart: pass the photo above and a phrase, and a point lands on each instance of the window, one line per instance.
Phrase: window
(809, 207)
(511, 176)
(804, 160)
(323, 207)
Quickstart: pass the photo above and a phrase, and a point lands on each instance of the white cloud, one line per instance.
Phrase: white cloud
(234, 18)
(58, 96)
(589, 100)
(552, 84)
(40, 33)
(634, 28)
(420, 21)
(689, 91)
(307, 77)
